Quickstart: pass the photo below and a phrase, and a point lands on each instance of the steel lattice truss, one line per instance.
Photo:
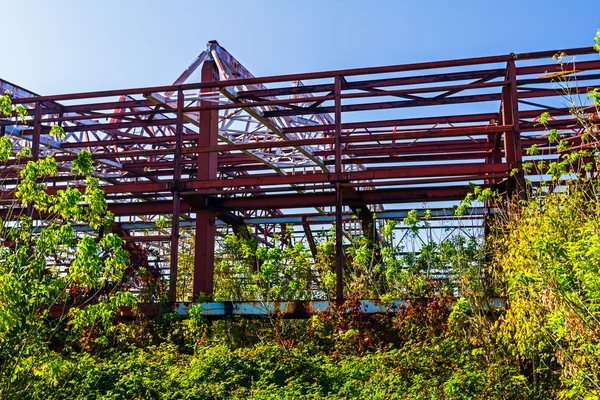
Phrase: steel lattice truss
(220, 147)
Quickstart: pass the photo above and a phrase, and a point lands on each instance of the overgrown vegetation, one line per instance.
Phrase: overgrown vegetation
(447, 343)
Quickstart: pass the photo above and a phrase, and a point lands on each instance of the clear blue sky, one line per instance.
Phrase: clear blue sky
(76, 45)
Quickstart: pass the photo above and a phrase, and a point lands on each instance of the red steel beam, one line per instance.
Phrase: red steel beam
(308, 76)
(207, 171)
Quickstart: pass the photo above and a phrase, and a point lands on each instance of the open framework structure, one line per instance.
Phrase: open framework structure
(222, 149)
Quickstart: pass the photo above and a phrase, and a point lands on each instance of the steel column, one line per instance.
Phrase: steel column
(176, 199)
(514, 101)
(510, 116)
(339, 234)
(37, 132)
(35, 143)
(207, 170)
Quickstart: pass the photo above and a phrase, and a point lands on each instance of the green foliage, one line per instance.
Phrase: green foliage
(49, 267)
(6, 104)
(594, 95)
(57, 132)
(544, 118)
(549, 261)
(445, 367)
(5, 148)
(7, 108)
(533, 150)
(248, 271)
(412, 219)
(447, 341)
(162, 222)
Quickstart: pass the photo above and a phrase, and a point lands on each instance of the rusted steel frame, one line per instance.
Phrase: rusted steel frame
(387, 196)
(146, 208)
(121, 115)
(309, 76)
(378, 196)
(137, 187)
(190, 109)
(258, 145)
(328, 199)
(530, 93)
(114, 125)
(191, 164)
(555, 112)
(147, 238)
(393, 196)
(117, 104)
(399, 135)
(433, 181)
(92, 110)
(272, 79)
(556, 124)
(549, 68)
(203, 279)
(404, 182)
(116, 198)
(387, 105)
(412, 158)
(373, 83)
(174, 256)
(409, 149)
(310, 239)
(453, 119)
(263, 190)
(453, 88)
(438, 171)
(514, 100)
(261, 103)
(449, 119)
(413, 134)
(535, 81)
(224, 164)
(512, 147)
(37, 132)
(35, 143)
(30, 117)
(339, 233)
(477, 84)
(244, 168)
(129, 142)
(132, 153)
(273, 179)
(121, 125)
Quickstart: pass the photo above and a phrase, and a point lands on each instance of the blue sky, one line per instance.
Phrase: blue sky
(68, 46)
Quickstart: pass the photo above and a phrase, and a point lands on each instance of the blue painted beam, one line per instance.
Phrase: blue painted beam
(299, 309)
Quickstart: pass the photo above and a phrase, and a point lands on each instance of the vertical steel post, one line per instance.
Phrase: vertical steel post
(512, 146)
(339, 249)
(514, 100)
(35, 143)
(207, 170)
(176, 199)
(37, 131)
(494, 157)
